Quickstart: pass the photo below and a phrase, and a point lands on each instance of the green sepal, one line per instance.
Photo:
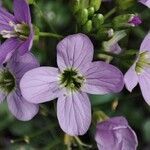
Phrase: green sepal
(121, 21)
(36, 33)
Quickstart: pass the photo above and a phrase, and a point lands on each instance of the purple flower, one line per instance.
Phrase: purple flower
(17, 29)
(115, 134)
(139, 71)
(10, 76)
(145, 2)
(135, 20)
(76, 76)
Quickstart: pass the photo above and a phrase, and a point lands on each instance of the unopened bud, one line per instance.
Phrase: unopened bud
(98, 20)
(127, 20)
(87, 28)
(91, 11)
(82, 16)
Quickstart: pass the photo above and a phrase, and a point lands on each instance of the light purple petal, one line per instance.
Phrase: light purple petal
(40, 84)
(115, 134)
(5, 18)
(27, 45)
(20, 108)
(144, 81)
(74, 51)
(103, 78)
(145, 46)
(22, 11)
(7, 49)
(112, 123)
(145, 2)
(74, 113)
(115, 48)
(131, 78)
(19, 65)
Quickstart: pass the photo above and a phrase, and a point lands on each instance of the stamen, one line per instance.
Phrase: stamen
(71, 80)
(143, 62)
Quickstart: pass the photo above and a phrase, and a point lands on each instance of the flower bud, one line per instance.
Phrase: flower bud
(91, 11)
(135, 20)
(127, 20)
(96, 4)
(98, 20)
(82, 16)
(88, 26)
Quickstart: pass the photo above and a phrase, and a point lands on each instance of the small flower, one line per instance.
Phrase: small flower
(10, 76)
(17, 29)
(145, 2)
(76, 76)
(135, 20)
(115, 134)
(139, 71)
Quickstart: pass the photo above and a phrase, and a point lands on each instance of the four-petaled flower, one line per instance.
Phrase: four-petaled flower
(139, 71)
(17, 29)
(115, 134)
(10, 76)
(76, 76)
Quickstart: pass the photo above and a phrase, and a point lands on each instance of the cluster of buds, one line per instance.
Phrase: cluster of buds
(86, 14)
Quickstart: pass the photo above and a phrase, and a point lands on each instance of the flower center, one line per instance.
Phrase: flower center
(7, 81)
(71, 79)
(21, 31)
(143, 62)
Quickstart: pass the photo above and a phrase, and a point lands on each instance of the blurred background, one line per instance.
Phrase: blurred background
(43, 132)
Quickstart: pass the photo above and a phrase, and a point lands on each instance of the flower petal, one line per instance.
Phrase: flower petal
(22, 11)
(145, 2)
(7, 49)
(19, 65)
(74, 51)
(102, 78)
(74, 113)
(5, 18)
(145, 46)
(20, 108)
(40, 84)
(131, 78)
(144, 82)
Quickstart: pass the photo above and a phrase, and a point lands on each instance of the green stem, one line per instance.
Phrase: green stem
(45, 34)
(111, 12)
(80, 143)
(43, 16)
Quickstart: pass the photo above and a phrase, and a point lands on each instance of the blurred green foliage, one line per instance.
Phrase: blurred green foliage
(43, 132)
